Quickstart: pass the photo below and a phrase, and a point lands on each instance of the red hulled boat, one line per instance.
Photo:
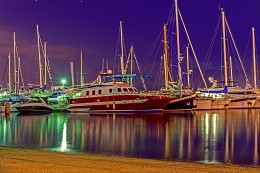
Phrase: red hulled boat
(116, 97)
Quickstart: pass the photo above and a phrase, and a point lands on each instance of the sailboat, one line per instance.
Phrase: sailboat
(225, 94)
(183, 98)
(34, 105)
(256, 90)
(13, 94)
(41, 88)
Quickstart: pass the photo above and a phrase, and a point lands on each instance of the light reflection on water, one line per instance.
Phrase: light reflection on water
(207, 137)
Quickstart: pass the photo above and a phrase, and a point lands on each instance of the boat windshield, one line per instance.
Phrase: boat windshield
(35, 100)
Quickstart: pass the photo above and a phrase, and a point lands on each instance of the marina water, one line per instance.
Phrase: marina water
(214, 137)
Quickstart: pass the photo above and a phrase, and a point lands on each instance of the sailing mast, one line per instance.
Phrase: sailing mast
(39, 57)
(9, 73)
(193, 51)
(188, 66)
(45, 63)
(254, 58)
(81, 73)
(72, 74)
(224, 46)
(131, 64)
(178, 40)
(18, 74)
(166, 66)
(122, 49)
(231, 71)
(15, 78)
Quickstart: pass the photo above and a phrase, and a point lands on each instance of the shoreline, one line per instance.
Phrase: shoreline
(34, 160)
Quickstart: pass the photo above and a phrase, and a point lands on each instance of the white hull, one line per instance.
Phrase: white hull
(203, 104)
(219, 104)
(242, 104)
(257, 103)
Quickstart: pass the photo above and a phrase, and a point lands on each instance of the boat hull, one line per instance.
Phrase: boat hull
(184, 103)
(33, 109)
(257, 103)
(126, 103)
(203, 104)
(242, 103)
(219, 104)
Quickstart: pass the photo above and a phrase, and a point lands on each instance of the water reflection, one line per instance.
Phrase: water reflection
(208, 137)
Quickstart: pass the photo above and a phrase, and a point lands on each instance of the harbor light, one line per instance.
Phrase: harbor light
(63, 81)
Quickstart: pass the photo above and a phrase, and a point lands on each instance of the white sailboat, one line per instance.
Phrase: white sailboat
(185, 98)
(227, 95)
(256, 90)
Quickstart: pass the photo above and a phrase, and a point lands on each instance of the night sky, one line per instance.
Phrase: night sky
(68, 25)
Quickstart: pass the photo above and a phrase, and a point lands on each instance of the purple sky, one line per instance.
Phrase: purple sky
(94, 24)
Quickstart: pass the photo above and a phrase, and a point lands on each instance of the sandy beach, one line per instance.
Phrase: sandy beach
(28, 160)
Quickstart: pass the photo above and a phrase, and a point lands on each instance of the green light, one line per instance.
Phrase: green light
(63, 81)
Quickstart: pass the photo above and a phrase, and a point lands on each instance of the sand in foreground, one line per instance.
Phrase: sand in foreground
(27, 160)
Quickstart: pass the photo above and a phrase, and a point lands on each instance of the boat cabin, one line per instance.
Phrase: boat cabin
(108, 89)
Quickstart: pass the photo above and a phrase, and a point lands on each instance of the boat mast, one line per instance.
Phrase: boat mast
(18, 73)
(131, 64)
(39, 56)
(122, 49)
(192, 49)
(15, 78)
(188, 66)
(166, 66)
(9, 73)
(178, 40)
(231, 71)
(45, 63)
(72, 74)
(224, 46)
(254, 57)
(81, 73)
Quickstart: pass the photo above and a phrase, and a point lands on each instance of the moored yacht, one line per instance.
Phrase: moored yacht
(116, 97)
(34, 105)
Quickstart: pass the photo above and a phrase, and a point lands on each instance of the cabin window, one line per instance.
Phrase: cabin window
(135, 89)
(130, 89)
(99, 92)
(93, 92)
(110, 90)
(125, 89)
(119, 89)
(87, 93)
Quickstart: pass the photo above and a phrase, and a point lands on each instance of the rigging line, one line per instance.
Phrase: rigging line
(248, 44)
(117, 50)
(153, 63)
(49, 70)
(246, 51)
(128, 60)
(209, 52)
(151, 50)
(19, 65)
(158, 76)
(191, 46)
(19, 68)
(139, 71)
(247, 81)
(4, 74)
(152, 55)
